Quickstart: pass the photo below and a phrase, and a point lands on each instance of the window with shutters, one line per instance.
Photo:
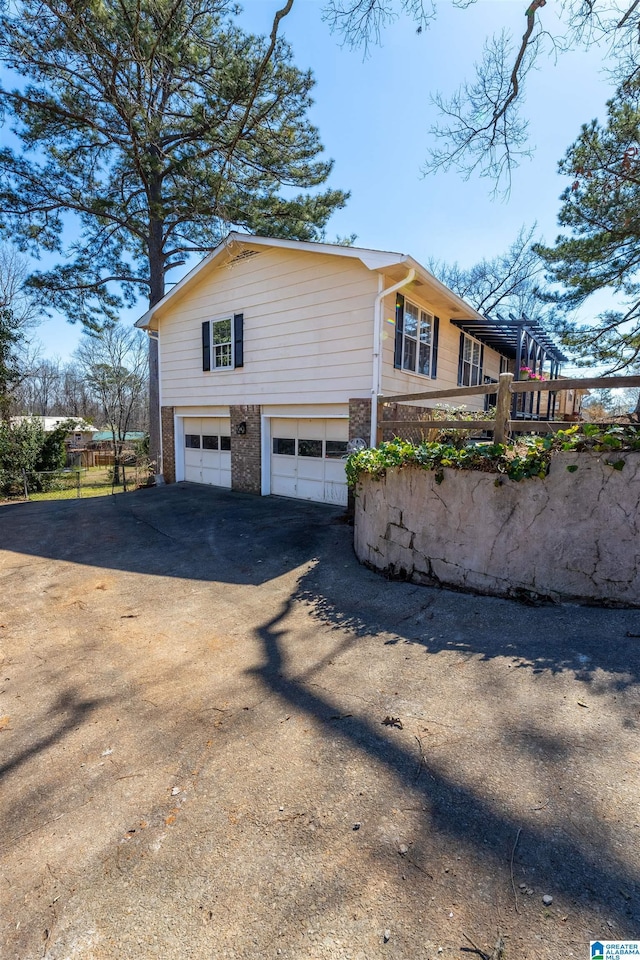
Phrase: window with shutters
(470, 362)
(222, 343)
(416, 339)
(222, 353)
(416, 346)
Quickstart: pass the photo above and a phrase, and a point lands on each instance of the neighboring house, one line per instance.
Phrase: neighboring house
(570, 404)
(81, 434)
(271, 351)
(105, 437)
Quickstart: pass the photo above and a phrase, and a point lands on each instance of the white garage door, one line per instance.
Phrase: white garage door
(307, 459)
(207, 450)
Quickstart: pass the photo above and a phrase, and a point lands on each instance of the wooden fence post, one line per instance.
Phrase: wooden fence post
(503, 408)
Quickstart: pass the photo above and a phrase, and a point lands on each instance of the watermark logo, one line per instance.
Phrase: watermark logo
(615, 949)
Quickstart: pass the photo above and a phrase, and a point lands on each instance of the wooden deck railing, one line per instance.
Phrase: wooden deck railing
(505, 389)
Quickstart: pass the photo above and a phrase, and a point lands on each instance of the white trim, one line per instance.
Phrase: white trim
(203, 413)
(307, 416)
(265, 455)
(265, 437)
(211, 410)
(422, 312)
(178, 440)
(159, 466)
(212, 346)
(376, 386)
(302, 411)
(374, 260)
(480, 367)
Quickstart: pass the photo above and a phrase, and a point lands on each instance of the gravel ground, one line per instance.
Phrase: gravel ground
(224, 738)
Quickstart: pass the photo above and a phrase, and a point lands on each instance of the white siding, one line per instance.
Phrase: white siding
(401, 381)
(308, 329)
(491, 363)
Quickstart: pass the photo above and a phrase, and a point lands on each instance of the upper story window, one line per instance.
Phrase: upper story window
(470, 361)
(223, 343)
(416, 345)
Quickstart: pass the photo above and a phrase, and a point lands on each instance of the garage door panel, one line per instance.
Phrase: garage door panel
(284, 428)
(216, 458)
(216, 476)
(309, 489)
(310, 469)
(283, 466)
(302, 466)
(283, 486)
(334, 471)
(336, 493)
(204, 460)
(312, 429)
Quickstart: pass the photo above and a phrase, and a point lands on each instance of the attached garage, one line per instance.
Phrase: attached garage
(207, 450)
(308, 459)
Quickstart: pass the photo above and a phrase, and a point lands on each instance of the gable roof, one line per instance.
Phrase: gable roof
(238, 246)
(501, 334)
(49, 424)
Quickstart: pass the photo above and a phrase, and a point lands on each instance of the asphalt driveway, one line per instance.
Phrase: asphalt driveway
(220, 736)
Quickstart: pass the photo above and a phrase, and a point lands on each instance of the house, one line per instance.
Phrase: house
(271, 350)
(81, 434)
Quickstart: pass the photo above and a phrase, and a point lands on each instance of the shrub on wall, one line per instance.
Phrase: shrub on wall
(528, 456)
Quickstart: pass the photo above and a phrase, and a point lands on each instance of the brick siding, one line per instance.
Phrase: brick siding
(246, 449)
(360, 420)
(168, 444)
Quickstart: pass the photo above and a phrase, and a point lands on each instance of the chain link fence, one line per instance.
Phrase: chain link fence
(76, 482)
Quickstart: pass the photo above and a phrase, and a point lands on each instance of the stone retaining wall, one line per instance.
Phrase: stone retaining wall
(574, 536)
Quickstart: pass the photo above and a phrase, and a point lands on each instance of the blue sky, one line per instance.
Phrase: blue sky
(374, 117)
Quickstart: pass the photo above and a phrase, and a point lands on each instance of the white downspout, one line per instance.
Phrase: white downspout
(159, 471)
(376, 384)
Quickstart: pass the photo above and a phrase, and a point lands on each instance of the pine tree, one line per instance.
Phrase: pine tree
(151, 127)
(601, 209)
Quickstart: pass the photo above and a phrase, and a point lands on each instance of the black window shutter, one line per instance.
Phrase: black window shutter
(238, 340)
(397, 354)
(206, 345)
(434, 347)
(460, 359)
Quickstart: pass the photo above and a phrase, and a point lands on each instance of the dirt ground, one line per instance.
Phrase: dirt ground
(221, 737)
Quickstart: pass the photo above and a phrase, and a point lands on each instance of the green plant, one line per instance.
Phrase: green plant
(28, 452)
(527, 457)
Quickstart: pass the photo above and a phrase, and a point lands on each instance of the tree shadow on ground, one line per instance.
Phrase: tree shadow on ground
(586, 641)
(184, 530)
(66, 714)
(591, 875)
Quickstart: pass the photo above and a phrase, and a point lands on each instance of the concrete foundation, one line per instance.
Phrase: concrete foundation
(573, 536)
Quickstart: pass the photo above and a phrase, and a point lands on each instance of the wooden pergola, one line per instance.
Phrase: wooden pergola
(527, 344)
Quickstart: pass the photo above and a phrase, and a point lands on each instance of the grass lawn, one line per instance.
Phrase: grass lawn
(94, 482)
(90, 490)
